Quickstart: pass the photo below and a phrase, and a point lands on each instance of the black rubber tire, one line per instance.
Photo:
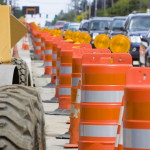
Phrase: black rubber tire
(21, 119)
(24, 73)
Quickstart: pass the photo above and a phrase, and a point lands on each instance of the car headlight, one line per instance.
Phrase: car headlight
(94, 35)
(134, 39)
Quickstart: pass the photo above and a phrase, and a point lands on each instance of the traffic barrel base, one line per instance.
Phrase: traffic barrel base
(65, 112)
(52, 100)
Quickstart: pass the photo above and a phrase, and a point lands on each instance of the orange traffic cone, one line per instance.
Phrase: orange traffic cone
(23, 44)
(119, 126)
(120, 143)
(15, 51)
(74, 136)
(26, 47)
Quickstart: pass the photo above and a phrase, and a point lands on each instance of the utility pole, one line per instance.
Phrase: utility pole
(85, 10)
(95, 7)
(82, 9)
(104, 5)
(89, 9)
(75, 11)
(140, 5)
(112, 3)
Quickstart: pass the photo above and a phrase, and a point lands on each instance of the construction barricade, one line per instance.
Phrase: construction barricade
(75, 77)
(54, 59)
(136, 122)
(38, 44)
(101, 96)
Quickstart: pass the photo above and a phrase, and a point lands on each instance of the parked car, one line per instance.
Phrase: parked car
(84, 24)
(136, 27)
(66, 26)
(97, 26)
(59, 25)
(144, 52)
(73, 26)
(115, 26)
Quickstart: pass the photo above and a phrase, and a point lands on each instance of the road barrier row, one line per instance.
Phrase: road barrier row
(108, 99)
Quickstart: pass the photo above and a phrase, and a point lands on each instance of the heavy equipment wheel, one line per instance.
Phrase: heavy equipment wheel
(21, 119)
(24, 73)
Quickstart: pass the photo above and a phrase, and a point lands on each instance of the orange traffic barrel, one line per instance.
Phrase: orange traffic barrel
(119, 129)
(101, 96)
(38, 44)
(42, 46)
(136, 122)
(66, 53)
(54, 59)
(76, 74)
(48, 57)
(74, 136)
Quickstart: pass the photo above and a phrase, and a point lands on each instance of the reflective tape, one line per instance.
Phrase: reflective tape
(98, 130)
(38, 47)
(64, 91)
(48, 51)
(35, 39)
(101, 96)
(57, 81)
(78, 97)
(75, 81)
(54, 56)
(136, 138)
(42, 44)
(72, 108)
(58, 63)
(53, 71)
(121, 114)
(42, 52)
(38, 40)
(117, 139)
(48, 64)
(65, 70)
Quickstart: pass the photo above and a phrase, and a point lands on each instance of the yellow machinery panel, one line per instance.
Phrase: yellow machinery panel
(11, 31)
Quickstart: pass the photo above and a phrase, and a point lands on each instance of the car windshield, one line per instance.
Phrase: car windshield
(99, 25)
(117, 24)
(73, 26)
(66, 25)
(59, 23)
(140, 23)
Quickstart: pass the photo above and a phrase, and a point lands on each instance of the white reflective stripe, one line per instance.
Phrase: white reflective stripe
(58, 63)
(101, 96)
(38, 40)
(75, 81)
(121, 114)
(78, 97)
(136, 138)
(65, 70)
(48, 63)
(64, 91)
(42, 52)
(72, 108)
(38, 47)
(57, 81)
(35, 39)
(42, 44)
(48, 51)
(54, 56)
(121, 134)
(76, 111)
(117, 139)
(98, 130)
(54, 71)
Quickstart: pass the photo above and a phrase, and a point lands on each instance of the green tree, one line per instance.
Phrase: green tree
(2, 2)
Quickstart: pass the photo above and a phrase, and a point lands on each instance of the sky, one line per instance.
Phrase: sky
(50, 7)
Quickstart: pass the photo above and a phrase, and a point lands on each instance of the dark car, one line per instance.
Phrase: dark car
(144, 52)
(84, 25)
(136, 27)
(115, 26)
(97, 26)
